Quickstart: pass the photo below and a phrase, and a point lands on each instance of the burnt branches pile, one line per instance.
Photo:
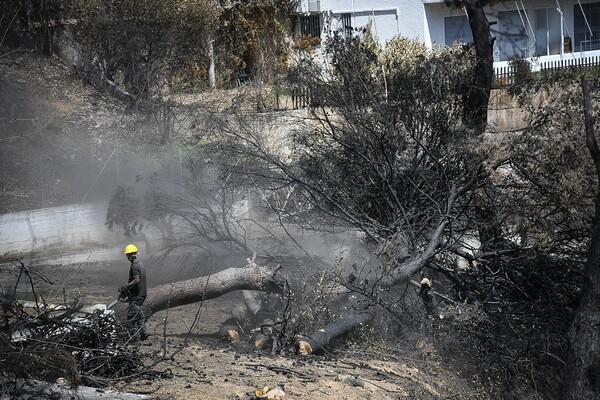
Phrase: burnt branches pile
(54, 342)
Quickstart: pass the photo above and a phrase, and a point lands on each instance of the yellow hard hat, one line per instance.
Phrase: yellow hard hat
(130, 248)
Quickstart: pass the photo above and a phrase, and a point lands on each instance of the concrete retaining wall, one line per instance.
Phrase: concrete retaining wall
(504, 112)
(55, 230)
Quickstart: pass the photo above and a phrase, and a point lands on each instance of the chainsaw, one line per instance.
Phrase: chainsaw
(123, 298)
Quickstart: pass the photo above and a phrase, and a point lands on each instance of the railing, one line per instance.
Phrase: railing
(582, 62)
(588, 45)
(300, 97)
(505, 75)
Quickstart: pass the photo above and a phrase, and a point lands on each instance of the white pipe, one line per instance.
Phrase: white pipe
(353, 17)
(374, 24)
(562, 33)
(529, 22)
(524, 26)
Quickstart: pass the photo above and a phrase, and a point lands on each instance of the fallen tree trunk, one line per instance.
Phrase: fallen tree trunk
(403, 272)
(315, 343)
(250, 277)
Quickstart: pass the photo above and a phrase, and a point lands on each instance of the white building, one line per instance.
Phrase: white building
(540, 30)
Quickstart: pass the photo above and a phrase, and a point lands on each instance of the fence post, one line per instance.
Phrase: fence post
(295, 98)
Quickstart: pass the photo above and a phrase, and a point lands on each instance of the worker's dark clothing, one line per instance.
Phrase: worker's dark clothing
(138, 292)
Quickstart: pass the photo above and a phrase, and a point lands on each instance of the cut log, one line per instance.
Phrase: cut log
(246, 316)
(230, 329)
(427, 297)
(242, 315)
(317, 341)
(35, 389)
(261, 340)
(250, 277)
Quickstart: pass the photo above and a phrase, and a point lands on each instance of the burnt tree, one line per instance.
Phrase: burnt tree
(583, 362)
(479, 95)
(383, 150)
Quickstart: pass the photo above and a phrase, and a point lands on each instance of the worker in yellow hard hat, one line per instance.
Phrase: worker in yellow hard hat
(136, 292)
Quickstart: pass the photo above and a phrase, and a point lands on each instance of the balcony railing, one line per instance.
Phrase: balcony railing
(504, 72)
(588, 45)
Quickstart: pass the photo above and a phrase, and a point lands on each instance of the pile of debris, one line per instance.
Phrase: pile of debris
(81, 345)
(65, 343)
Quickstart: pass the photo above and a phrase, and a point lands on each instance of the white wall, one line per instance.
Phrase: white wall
(424, 19)
(55, 230)
(434, 22)
(390, 17)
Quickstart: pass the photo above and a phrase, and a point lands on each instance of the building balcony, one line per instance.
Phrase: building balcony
(503, 71)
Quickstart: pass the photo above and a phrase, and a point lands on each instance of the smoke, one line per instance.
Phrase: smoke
(61, 143)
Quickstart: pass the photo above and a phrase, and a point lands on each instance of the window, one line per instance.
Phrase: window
(309, 25)
(457, 29)
(586, 30)
(512, 40)
(547, 31)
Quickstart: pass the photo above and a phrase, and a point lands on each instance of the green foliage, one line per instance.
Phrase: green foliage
(522, 75)
(147, 46)
(403, 54)
(125, 210)
(352, 61)
(135, 207)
